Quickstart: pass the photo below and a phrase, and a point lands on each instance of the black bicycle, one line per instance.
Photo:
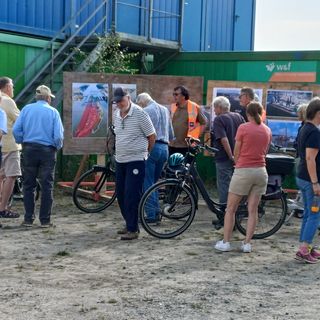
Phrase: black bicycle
(95, 190)
(174, 202)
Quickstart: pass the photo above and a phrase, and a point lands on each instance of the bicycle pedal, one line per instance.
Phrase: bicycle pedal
(217, 225)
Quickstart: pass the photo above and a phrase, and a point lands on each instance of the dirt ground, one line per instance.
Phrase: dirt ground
(81, 270)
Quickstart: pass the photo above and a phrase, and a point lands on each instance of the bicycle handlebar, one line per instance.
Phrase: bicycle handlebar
(193, 141)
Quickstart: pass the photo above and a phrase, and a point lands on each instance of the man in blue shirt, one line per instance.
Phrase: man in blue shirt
(40, 130)
(161, 121)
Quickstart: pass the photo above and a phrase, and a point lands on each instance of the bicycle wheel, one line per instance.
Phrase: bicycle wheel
(174, 206)
(271, 216)
(95, 190)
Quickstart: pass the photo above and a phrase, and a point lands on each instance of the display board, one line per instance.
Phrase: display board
(281, 101)
(260, 85)
(87, 107)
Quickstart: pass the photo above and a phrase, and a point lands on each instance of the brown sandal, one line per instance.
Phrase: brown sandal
(9, 214)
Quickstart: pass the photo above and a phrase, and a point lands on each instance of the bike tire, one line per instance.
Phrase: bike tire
(168, 199)
(271, 216)
(95, 190)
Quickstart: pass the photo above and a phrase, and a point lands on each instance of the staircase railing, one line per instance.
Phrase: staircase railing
(50, 64)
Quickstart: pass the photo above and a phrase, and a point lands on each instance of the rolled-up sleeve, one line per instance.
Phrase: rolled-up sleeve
(17, 128)
(58, 131)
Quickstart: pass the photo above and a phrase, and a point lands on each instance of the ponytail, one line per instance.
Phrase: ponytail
(255, 110)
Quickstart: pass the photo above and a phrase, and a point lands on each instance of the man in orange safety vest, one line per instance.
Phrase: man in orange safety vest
(187, 120)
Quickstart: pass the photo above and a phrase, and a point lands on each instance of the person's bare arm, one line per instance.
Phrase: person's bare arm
(227, 148)
(151, 141)
(311, 154)
(236, 151)
(201, 118)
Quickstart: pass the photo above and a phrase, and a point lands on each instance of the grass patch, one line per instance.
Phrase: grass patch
(63, 253)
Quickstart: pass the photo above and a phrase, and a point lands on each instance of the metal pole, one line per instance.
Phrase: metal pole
(52, 66)
(114, 16)
(105, 26)
(181, 23)
(150, 20)
(73, 15)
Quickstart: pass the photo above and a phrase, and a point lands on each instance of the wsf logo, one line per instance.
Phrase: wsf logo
(278, 67)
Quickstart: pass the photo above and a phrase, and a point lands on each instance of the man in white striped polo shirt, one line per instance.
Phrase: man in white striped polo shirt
(135, 137)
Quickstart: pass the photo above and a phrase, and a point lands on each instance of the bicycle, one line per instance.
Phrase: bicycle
(95, 189)
(175, 201)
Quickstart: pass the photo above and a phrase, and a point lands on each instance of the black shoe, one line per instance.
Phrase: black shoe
(27, 224)
(47, 225)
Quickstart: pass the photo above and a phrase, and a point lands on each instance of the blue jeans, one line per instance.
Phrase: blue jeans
(224, 174)
(154, 165)
(38, 160)
(310, 220)
(129, 182)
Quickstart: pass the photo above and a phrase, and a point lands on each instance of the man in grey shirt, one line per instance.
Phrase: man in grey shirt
(135, 137)
(161, 121)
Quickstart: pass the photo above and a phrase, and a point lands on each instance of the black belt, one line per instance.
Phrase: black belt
(33, 144)
(161, 141)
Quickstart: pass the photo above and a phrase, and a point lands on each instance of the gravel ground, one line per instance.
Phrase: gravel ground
(81, 270)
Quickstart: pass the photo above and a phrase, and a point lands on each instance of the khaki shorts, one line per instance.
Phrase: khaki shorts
(249, 180)
(10, 164)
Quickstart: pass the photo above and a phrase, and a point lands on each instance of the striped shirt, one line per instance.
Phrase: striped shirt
(131, 134)
(161, 121)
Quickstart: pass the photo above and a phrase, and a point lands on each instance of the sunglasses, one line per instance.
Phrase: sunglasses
(175, 94)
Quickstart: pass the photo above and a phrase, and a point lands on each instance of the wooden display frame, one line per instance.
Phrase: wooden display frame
(261, 85)
(159, 87)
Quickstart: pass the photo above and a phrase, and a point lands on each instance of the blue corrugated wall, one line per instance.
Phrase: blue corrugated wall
(208, 25)
(39, 17)
(218, 25)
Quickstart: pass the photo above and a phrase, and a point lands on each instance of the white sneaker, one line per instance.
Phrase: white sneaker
(222, 246)
(246, 247)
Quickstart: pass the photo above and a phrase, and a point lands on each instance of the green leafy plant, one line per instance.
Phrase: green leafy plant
(110, 56)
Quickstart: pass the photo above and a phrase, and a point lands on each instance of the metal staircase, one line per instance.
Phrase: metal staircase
(62, 56)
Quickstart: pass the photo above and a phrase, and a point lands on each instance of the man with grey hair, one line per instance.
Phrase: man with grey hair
(161, 121)
(39, 129)
(223, 134)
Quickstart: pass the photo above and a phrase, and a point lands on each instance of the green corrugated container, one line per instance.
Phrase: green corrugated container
(17, 52)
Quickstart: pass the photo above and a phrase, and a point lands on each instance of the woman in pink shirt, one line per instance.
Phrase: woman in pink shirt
(250, 175)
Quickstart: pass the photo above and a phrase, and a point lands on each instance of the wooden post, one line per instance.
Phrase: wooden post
(81, 167)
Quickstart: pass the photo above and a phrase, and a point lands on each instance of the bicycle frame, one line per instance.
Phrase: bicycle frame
(213, 206)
